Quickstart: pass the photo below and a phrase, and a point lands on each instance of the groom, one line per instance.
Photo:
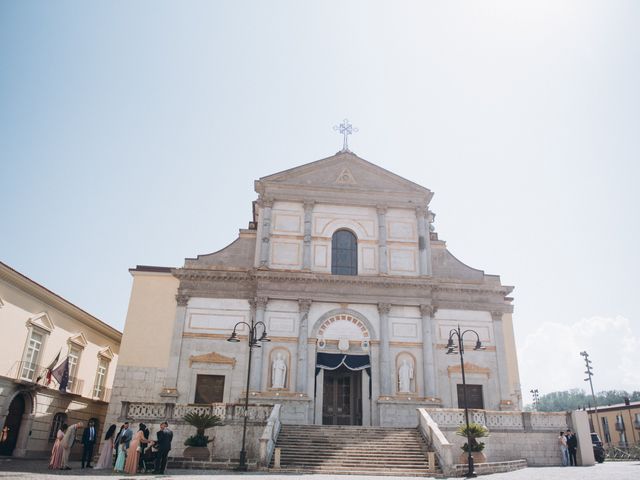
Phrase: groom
(88, 442)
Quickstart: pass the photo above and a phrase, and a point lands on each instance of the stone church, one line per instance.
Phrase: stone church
(357, 294)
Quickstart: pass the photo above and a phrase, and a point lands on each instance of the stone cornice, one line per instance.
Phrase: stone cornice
(280, 285)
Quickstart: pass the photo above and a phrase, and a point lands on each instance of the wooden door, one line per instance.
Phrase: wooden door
(342, 397)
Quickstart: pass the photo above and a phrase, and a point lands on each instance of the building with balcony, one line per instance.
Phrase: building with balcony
(342, 264)
(38, 326)
(618, 425)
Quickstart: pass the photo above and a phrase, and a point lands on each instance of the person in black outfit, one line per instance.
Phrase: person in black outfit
(144, 428)
(88, 442)
(163, 444)
(572, 446)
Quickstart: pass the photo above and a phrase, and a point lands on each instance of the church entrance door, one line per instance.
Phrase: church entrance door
(342, 397)
(9, 434)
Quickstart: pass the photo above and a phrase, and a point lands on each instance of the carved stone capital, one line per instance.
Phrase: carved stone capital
(496, 316)
(428, 310)
(308, 206)
(381, 209)
(384, 308)
(307, 239)
(182, 299)
(304, 304)
(261, 302)
(421, 212)
(265, 202)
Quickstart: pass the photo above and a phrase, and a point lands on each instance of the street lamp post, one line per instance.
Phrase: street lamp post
(589, 373)
(536, 398)
(451, 349)
(254, 342)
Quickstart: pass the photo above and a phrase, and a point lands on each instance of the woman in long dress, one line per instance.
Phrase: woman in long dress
(122, 455)
(133, 455)
(56, 452)
(106, 450)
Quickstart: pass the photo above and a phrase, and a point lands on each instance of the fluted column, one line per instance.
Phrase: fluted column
(386, 374)
(382, 239)
(424, 245)
(266, 205)
(256, 382)
(501, 354)
(303, 346)
(306, 247)
(170, 387)
(429, 369)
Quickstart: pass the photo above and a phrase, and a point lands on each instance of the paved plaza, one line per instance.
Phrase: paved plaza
(37, 469)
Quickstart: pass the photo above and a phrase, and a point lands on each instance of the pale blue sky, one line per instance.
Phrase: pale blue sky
(131, 133)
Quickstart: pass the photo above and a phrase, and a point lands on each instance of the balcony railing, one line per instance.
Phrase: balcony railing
(34, 373)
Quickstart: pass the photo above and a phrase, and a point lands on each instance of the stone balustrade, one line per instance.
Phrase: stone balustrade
(158, 412)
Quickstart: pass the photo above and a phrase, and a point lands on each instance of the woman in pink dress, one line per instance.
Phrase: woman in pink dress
(56, 452)
(106, 450)
(133, 455)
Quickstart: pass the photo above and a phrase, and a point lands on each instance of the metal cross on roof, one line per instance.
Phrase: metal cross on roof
(346, 129)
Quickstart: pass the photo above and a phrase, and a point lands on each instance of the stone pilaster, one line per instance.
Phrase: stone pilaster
(265, 205)
(306, 247)
(501, 354)
(382, 239)
(303, 346)
(386, 374)
(424, 245)
(170, 388)
(256, 382)
(428, 357)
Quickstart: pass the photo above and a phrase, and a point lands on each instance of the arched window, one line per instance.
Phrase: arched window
(344, 253)
(58, 419)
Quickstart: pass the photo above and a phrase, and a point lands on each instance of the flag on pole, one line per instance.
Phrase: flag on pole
(47, 371)
(61, 374)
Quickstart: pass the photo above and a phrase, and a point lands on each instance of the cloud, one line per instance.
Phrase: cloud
(550, 360)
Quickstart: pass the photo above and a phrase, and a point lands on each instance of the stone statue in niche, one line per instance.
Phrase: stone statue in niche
(405, 375)
(278, 372)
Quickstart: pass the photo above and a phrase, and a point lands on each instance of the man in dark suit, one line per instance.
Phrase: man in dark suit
(88, 442)
(572, 447)
(163, 444)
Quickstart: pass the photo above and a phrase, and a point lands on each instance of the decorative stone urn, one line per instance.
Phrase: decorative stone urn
(202, 454)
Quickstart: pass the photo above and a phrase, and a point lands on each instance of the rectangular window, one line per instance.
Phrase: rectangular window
(31, 357)
(209, 389)
(101, 378)
(74, 359)
(474, 396)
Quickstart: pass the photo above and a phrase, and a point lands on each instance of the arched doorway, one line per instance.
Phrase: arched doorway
(11, 429)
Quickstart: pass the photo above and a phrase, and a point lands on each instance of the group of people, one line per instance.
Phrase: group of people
(568, 447)
(124, 452)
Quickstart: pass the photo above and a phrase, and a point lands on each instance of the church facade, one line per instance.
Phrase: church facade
(342, 270)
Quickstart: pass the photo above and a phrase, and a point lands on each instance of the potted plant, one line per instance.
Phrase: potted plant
(472, 433)
(197, 444)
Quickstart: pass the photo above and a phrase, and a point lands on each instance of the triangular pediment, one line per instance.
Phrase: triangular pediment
(41, 320)
(106, 353)
(212, 357)
(79, 340)
(343, 171)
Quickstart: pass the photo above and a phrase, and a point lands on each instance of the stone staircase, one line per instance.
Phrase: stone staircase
(353, 450)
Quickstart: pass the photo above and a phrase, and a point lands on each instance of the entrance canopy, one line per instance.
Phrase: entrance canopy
(332, 361)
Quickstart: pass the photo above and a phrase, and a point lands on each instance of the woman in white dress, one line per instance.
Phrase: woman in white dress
(106, 450)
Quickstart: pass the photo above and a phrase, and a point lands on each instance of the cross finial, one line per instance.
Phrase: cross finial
(346, 129)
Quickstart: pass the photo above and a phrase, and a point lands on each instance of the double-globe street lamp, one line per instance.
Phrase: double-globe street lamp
(254, 342)
(452, 348)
